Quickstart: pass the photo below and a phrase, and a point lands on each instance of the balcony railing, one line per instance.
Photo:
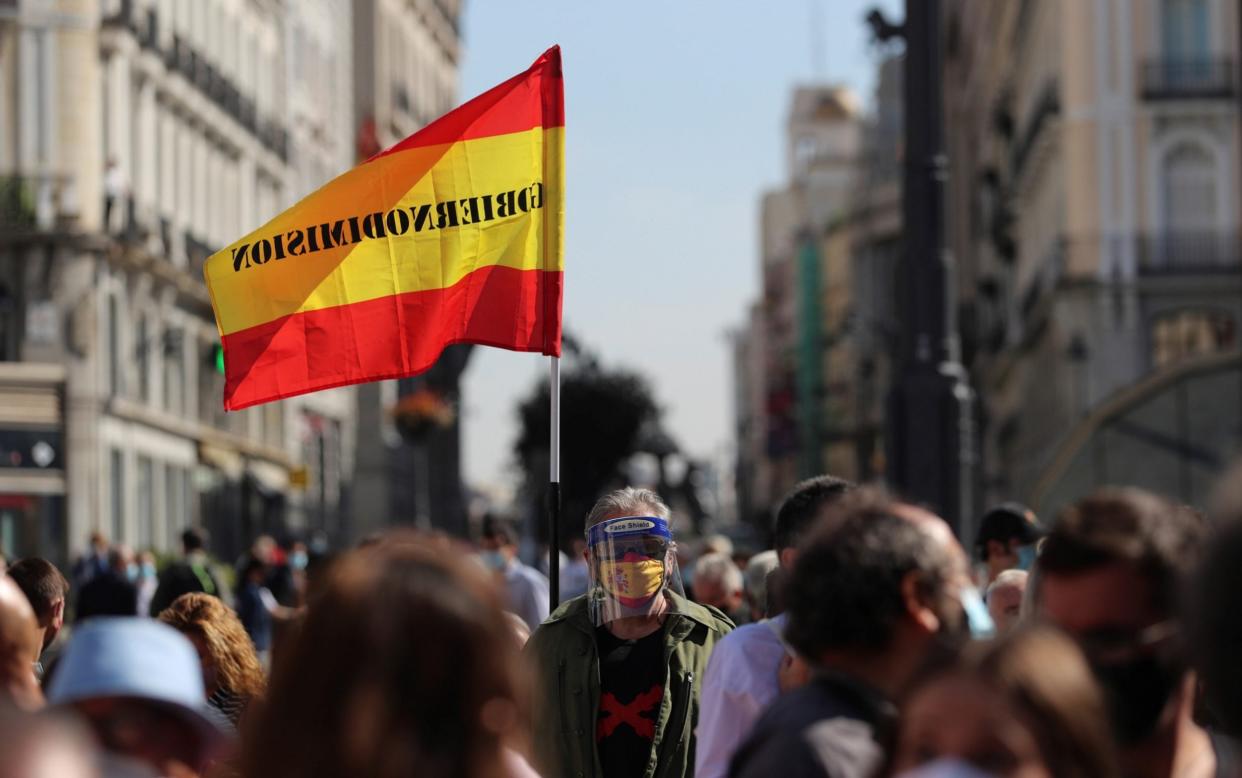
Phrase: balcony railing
(1189, 253)
(1194, 79)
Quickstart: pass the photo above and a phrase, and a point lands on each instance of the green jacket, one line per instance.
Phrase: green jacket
(567, 689)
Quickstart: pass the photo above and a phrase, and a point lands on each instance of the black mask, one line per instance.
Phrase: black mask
(1137, 692)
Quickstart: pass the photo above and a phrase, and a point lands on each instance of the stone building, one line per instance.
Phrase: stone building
(1093, 213)
(136, 137)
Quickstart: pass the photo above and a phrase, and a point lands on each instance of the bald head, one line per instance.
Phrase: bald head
(21, 642)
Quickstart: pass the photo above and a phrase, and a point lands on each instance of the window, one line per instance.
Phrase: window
(115, 385)
(146, 504)
(174, 499)
(174, 370)
(144, 361)
(118, 495)
(1186, 334)
(1184, 31)
(1189, 190)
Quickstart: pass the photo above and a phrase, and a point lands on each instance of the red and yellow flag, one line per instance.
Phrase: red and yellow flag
(453, 235)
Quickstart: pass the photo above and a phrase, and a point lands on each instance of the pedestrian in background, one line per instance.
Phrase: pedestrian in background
(1112, 574)
(405, 665)
(113, 593)
(148, 581)
(232, 676)
(620, 668)
(755, 577)
(1004, 597)
(92, 563)
(191, 573)
(876, 588)
(1025, 706)
(526, 587)
(1007, 540)
(47, 590)
(744, 674)
(718, 583)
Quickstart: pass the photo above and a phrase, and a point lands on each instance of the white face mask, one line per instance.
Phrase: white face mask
(945, 768)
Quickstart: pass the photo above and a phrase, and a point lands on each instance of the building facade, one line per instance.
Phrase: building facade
(406, 55)
(779, 416)
(1093, 213)
(137, 137)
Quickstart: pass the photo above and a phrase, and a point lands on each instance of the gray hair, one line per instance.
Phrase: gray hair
(1008, 579)
(627, 502)
(719, 568)
(757, 570)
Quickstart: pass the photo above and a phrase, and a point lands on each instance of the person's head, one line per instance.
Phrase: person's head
(299, 556)
(355, 695)
(146, 564)
(718, 582)
(1007, 537)
(225, 653)
(254, 571)
(99, 544)
(498, 541)
(1024, 706)
(119, 560)
(46, 589)
(1111, 574)
(799, 510)
(758, 569)
(194, 539)
(21, 642)
(263, 548)
(1004, 598)
(876, 582)
(137, 685)
(631, 556)
(718, 544)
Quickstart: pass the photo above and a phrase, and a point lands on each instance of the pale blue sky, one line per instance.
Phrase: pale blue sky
(674, 127)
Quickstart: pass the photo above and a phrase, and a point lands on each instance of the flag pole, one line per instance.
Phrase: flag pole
(554, 488)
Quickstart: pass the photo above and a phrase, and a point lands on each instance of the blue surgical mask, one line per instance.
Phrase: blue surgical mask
(494, 559)
(131, 571)
(945, 767)
(977, 616)
(1026, 556)
(298, 560)
(148, 570)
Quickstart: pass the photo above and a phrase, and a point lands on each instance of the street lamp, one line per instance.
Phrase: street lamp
(930, 431)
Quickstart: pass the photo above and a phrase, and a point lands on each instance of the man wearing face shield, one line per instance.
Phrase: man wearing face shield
(620, 668)
(1111, 574)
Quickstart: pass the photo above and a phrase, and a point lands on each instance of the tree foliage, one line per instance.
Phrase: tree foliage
(604, 415)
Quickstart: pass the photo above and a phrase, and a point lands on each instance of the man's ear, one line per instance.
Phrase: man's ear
(58, 610)
(916, 609)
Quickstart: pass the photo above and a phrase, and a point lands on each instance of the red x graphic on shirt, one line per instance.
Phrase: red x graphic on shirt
(615, 713)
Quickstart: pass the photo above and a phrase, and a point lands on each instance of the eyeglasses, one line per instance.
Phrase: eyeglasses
(1115, 644)
(617, 549)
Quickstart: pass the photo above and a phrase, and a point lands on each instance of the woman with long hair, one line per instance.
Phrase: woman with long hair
(404, 665)
(232, 676)
(1023, 706)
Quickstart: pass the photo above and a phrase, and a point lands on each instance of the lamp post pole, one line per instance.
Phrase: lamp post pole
(931, 435)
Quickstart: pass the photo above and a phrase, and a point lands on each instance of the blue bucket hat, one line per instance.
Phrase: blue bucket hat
(140, 659)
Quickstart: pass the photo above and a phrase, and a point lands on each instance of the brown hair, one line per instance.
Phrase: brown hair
(231, 650)
(41, 582)
(1041, 673)
(1131, 526)
(405, 665)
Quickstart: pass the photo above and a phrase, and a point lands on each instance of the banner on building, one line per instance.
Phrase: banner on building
(453, 235)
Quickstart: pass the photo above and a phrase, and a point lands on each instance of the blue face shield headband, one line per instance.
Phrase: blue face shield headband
(645, 535)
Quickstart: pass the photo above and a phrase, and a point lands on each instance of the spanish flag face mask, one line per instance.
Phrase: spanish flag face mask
(633, 563)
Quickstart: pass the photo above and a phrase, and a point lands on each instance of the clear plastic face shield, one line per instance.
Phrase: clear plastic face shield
(633, 562)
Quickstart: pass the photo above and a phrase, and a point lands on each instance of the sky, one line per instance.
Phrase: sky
(675, 113)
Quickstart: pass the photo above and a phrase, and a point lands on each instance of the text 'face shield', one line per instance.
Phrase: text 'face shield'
(633, 561)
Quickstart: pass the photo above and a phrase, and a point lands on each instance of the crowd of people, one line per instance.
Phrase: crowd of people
(867, 641)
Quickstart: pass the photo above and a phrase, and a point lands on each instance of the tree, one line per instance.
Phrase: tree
(604, 416)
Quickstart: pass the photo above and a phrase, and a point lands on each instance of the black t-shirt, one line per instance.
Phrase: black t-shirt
(631, 687)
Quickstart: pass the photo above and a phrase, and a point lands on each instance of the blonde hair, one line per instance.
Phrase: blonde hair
(227, 642)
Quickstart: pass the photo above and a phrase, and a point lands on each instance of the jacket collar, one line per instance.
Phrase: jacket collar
(686, 613)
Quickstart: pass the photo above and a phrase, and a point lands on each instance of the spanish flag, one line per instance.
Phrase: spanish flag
(453, 235)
